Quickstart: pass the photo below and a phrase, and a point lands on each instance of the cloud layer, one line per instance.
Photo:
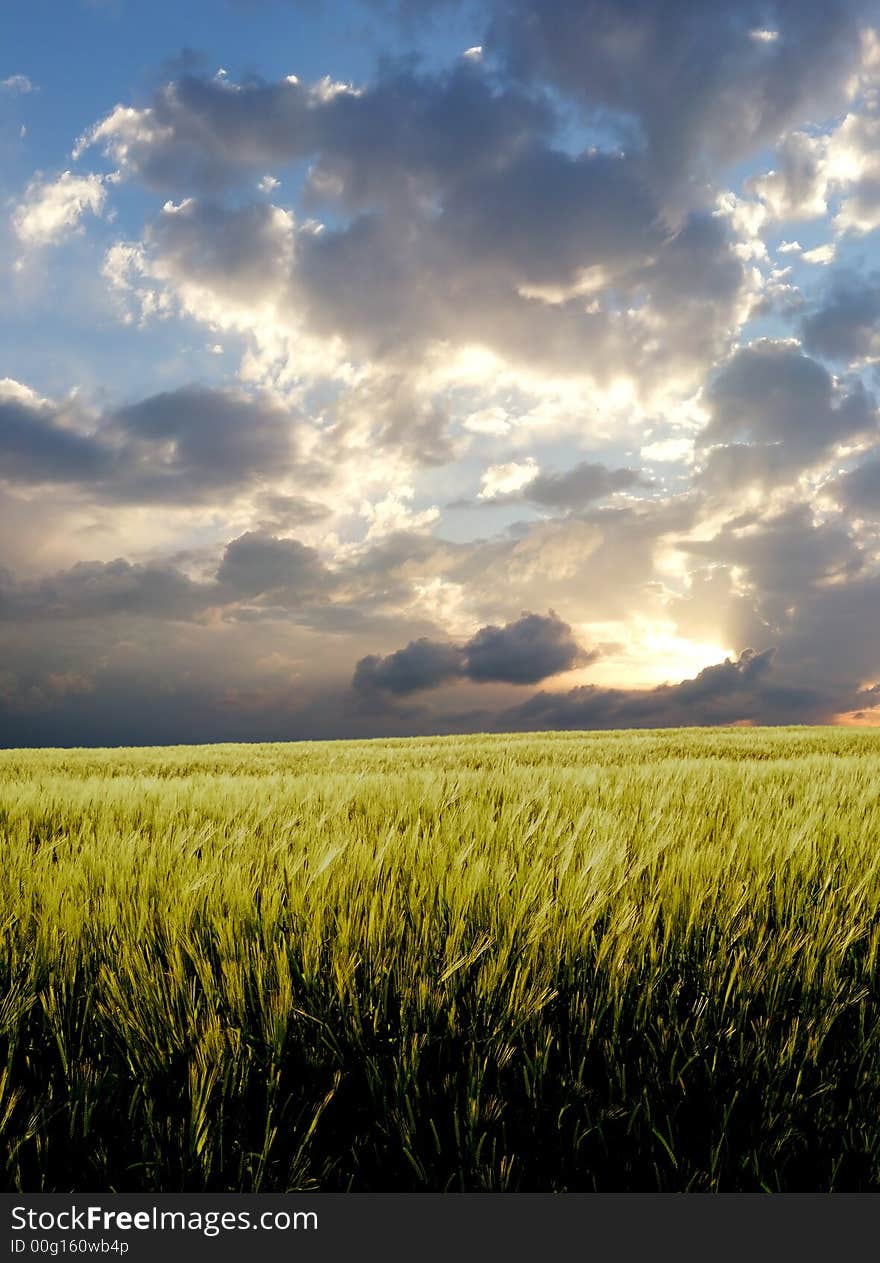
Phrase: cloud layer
(317, 383)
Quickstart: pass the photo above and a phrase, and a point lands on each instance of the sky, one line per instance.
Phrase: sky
(388, 367)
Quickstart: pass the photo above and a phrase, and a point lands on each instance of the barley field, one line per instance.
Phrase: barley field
(563, 961)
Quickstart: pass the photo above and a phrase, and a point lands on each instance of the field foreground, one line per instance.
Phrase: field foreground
(626, 961)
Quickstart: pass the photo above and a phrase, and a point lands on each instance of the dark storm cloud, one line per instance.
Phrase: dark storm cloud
(256, 563)
(691, 78)
(530, 649)
(846, 324)
(289, 574)
(220, 439)
(523, 652)
(422, 664)
(35, 446)
(740, 690)
(180, 447)
(94, 590)
(775, 411)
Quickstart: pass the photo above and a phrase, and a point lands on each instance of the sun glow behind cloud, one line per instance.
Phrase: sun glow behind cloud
(644, 653)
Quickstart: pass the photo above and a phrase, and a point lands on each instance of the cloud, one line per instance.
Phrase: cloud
(523, 652)
(859, 490)
(529, 649)
(389, 411)
(178, 447)
(800, 585)
(807, 584)
(284, 511)
(18, 85)
(797, 188)
(821, 255)
(599, 563)
(52, 209)
(548, 218)
(525, 269)
(453, 220)
(846, 323)
(284, 571)
(522, 482)
(855, 159)
(582, 484)
(218, 438)
(687, 79)
(500, 481)
(658, 297)
(812, 170)
(764, 35)
(95, 590)
(733, 691)
(36, 446)
(258, 563)
(668, 450)
(774, 411)
(391, 288)
(423, 664)
(783, 556)
(406, 129)
(241, 256)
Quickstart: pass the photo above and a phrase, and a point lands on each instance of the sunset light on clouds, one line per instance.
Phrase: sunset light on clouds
(375, 369)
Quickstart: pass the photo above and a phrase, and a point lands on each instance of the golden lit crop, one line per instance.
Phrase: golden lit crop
(555, 961)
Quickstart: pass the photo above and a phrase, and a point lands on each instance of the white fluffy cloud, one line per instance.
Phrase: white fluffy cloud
(53, 209)
(18, 85)
(813, 170)
(500, 480)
